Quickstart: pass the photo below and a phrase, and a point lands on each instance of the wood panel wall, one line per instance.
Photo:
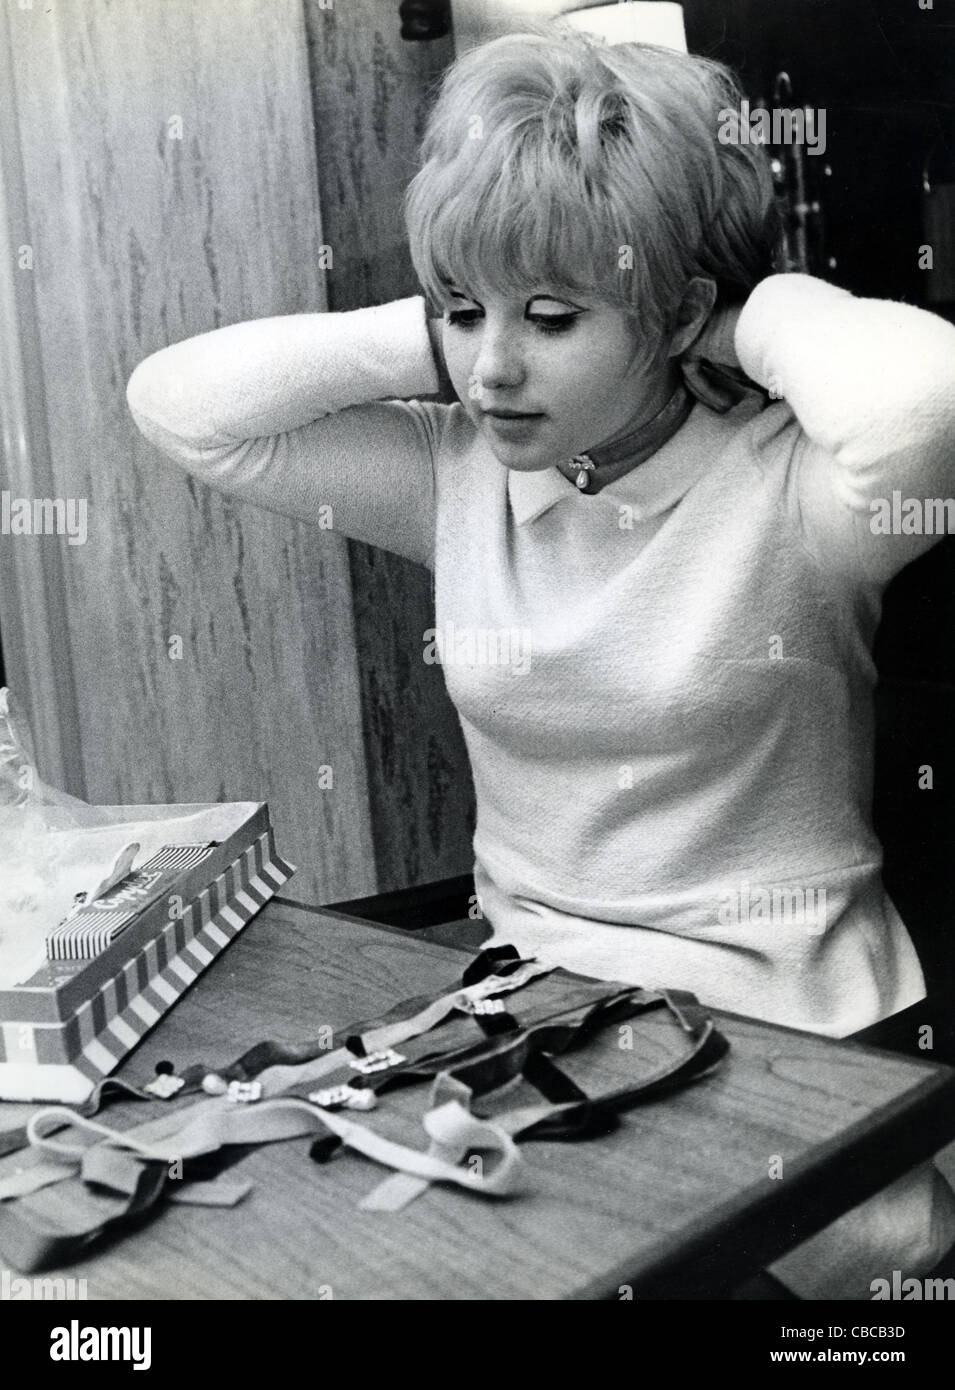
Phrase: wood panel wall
(32, 610)
(371, 92)
(169, 164)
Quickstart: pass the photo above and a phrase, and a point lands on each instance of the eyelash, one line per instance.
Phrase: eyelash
(548, 324)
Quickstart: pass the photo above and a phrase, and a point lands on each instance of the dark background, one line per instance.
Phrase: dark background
(884, 70)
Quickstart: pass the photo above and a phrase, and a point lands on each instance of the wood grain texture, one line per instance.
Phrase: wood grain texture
(170, 165)
(36, 641)
(671, 1193)
(371, 93)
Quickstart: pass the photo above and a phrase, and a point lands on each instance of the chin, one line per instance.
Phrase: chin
(519, 465)
(518, 457)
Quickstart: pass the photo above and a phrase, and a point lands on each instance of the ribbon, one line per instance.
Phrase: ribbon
(567, 1112)
(86, 1178)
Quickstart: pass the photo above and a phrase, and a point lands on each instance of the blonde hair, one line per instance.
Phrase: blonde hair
(556, 158)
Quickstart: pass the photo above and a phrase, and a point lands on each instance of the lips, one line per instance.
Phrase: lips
(513, 427)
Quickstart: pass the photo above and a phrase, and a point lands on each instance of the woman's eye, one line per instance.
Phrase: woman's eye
(552, 323)
(463, 318)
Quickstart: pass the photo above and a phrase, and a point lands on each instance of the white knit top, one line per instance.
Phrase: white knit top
(665, 688)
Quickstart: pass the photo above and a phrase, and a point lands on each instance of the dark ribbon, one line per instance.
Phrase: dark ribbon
(563, 1015)
(718, 386)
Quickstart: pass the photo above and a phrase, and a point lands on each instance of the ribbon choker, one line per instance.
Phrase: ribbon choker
(640, 443)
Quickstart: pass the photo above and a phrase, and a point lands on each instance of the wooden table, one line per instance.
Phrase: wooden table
(678, 1203)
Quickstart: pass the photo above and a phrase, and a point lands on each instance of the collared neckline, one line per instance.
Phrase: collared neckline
(652, 487)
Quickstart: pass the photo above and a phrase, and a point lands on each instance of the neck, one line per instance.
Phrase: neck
(649, 408)
(657, 420)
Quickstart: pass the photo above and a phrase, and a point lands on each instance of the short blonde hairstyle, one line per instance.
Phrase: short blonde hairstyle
(552, 157)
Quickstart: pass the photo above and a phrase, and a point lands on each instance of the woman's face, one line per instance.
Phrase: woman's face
(548, 377)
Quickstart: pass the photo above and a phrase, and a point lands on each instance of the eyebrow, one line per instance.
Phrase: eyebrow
(555, 298)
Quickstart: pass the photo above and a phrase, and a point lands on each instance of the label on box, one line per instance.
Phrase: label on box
(92, 927)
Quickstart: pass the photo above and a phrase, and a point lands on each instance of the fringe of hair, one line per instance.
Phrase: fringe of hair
(553, 159)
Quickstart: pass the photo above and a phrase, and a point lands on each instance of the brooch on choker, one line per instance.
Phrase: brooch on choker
(639, 444)
(586, 465)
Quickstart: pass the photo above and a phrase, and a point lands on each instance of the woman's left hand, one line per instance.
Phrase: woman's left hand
(717, 341)
(710, 365)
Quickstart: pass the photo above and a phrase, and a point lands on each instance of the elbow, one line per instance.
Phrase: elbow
(158, 399)
(142, 397)
(151, 399)
(159, 390)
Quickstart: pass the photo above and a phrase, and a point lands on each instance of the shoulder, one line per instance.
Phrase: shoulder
(753, 436)
(448, 425)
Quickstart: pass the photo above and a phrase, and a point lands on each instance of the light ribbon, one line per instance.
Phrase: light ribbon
(274, 1081)
(269, 1121)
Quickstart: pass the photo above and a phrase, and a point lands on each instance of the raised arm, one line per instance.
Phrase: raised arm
(297, 414)
(872, 384)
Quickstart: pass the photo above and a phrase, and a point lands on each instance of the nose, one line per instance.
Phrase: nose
(499, 363)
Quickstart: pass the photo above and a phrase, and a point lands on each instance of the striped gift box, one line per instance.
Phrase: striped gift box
(63, 1060)
(90, 929)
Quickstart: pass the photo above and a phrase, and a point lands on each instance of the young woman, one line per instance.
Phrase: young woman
(656, 589)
